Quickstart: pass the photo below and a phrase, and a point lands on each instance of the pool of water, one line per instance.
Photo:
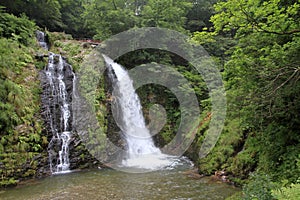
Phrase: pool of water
(112, 184)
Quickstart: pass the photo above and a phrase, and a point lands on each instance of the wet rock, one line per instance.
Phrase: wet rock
(220, 176)
(41, 56)
(194, 174)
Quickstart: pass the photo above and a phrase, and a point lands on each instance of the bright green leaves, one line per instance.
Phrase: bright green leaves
(20, 125)
(17, 28)
(253, 15)
(165, 13)
(107, 18)
(291, 192)
(204, 37)
(18, 88)
(19, 85)
(262, 73)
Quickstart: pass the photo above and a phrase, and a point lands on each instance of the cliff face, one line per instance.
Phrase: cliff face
(72, 54)
(24, 134)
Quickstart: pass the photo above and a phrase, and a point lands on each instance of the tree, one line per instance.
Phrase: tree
(263, 76)
(166, 14)
(199, 15)
(108, 17)
(73, 22)
(112, 17)
(45, 13)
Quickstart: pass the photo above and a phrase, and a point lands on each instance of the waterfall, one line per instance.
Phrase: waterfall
(58, 81)
(57, 97)
(41, 39)
(141, 151)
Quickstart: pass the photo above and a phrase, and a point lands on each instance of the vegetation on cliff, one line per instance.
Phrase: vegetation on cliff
(22, 139)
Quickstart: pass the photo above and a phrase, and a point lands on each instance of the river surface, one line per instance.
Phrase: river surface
(111, 184)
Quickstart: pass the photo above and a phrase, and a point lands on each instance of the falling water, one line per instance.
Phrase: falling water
(58, 87)
(58, 81)
(141, 152)
(41, 39)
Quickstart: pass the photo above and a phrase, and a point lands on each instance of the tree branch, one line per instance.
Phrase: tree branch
(279, 33)
(287, 80)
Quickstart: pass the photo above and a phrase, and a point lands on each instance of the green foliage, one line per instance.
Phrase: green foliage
(12, 93)
(291, 192)
(84, 19)
(20, 123)
(71, 16)
(275, 17)
(8, 182)
(55, 36)
(221, 157)
(198, 18)
(19, 29)
(262, 81)
(19, 90)
(165, 13)
(54, 15)
(259, 187)
(258, 43)
(107, 18)
(204, 37)
(45, 13)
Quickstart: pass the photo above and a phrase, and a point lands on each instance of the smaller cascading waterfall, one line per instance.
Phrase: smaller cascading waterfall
(41, 39)
(58, 81)
(141, 150)
(57, 98)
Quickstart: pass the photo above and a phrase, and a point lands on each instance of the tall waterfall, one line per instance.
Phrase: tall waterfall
(58, 81)
(57, 97)
(141, 151)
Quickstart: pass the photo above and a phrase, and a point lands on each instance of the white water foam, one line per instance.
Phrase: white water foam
(141, 152)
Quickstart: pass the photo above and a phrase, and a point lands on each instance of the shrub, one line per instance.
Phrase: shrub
(20, 29)
(291, 192)
(259, 187)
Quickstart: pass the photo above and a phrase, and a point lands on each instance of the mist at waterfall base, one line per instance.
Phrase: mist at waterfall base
(127, 112)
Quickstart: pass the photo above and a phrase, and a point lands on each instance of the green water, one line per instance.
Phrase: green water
(112, 184)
